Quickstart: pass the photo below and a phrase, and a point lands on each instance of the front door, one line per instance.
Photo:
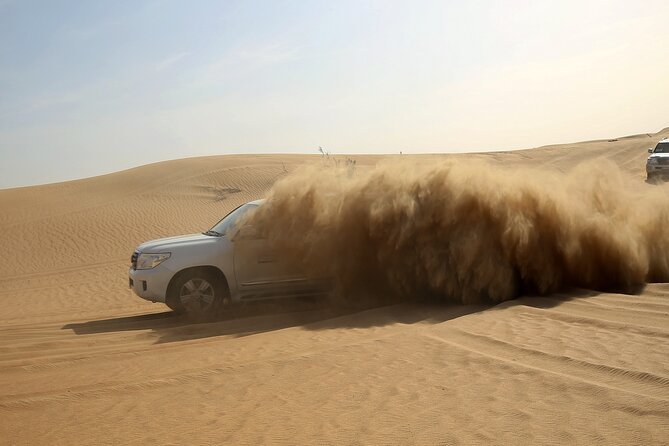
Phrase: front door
(259, 271)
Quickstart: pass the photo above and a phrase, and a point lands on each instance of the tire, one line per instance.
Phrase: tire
(198, 293)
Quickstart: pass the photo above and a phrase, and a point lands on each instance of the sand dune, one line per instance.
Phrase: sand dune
(83, 361)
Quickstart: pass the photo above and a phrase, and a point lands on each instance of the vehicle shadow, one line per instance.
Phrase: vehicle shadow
(657, 181)
(169, 326)
(250, 319)
(309, 314)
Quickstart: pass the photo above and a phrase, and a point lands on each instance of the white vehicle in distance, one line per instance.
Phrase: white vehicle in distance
(657, 164)
(201, 273)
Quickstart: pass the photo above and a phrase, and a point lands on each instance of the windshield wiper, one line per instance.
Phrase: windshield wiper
(212, 233)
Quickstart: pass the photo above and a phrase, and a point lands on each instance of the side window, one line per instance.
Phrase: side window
(248, 232)
(228, 225)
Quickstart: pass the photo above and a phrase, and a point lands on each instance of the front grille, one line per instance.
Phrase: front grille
(133, 259)
(663, 160)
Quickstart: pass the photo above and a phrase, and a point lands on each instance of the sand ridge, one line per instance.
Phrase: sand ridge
(84, 361)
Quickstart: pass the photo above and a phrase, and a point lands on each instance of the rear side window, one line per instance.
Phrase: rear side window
(662, 147)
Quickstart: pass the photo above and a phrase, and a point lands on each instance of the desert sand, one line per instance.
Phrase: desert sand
(84, 361)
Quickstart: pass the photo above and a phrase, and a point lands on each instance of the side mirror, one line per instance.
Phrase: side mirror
(650, 150)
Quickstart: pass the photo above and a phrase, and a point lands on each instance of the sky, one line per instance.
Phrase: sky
(92, 87)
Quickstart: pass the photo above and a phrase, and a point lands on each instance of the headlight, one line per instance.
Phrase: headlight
(148, 261)
(652, 160)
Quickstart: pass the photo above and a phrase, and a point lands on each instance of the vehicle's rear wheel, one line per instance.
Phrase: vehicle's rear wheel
(199, 293)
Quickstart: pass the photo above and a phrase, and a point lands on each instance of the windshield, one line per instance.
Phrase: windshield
(662, 147)
(228, 222)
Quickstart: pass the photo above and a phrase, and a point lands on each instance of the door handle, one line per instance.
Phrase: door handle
(266, 259)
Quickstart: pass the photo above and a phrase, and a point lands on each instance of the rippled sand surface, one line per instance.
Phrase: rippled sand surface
(84, 361)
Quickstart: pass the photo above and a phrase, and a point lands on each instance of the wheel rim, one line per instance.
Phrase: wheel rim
(197, 295)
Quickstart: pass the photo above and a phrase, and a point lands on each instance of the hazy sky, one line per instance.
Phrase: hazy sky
(89, 87)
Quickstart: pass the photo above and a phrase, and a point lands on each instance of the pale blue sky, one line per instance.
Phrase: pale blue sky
(90, 87)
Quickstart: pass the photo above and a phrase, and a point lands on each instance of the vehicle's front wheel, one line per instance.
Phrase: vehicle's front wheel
(199, 293)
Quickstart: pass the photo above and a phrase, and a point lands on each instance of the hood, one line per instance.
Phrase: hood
(172, 243)
(659, 155)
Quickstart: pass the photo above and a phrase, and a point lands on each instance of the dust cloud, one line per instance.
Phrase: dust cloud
(469, 231)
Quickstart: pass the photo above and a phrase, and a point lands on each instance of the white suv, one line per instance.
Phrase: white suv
(657, 164)
(200, 273)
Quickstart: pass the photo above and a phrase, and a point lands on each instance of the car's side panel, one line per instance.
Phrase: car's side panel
(259, 269)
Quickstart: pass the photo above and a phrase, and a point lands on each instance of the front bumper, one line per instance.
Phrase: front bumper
(150, 284)
(654, 170)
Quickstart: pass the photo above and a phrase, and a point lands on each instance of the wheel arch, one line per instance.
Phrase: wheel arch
(207, 269)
